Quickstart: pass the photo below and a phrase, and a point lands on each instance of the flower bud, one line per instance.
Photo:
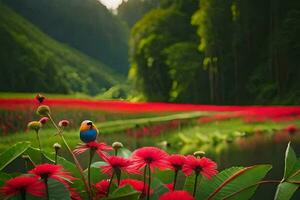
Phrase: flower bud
(43, 110)
(57, 146)
(40, 98)
(199, 154)
(34, 125)
(44, 120)
(63, 123)
(117, 145)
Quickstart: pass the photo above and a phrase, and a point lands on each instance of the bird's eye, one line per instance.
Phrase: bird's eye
(90, 123)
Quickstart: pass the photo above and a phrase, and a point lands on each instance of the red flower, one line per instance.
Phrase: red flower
(152, 156)
(98, 147)
(177, 161)
(52, 171)
(203, 165)
(29, 184)
(291, 129)
(101, 188)
(44, 120)
(136, 184)
(73, 194)
(118, 163)
(63, 123)
(176, 195)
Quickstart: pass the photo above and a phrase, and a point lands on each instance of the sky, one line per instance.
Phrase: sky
(111, 4)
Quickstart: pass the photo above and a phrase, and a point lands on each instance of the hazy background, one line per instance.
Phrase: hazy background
(207, 52)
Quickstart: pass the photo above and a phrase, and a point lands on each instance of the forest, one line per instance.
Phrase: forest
(186, 51)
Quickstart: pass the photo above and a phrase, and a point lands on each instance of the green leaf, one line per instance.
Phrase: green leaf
(12, 153)
(96, 174)
(236, 183)
(165, 176)
(4, 177)
(291, 162)
(124, 193)
(189, 183)
(57, 190)
(211, 185)
(287, 188)
(35, 155)
(285, 191)
(98, 164)
(123, 152)
(158, 188)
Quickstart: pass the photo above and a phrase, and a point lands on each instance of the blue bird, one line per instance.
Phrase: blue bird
(88, 131)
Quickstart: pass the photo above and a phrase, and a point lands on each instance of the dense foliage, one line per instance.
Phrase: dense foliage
(85, 25)
(156, 42)
(248, 52)
(32, 61)
(133, 10)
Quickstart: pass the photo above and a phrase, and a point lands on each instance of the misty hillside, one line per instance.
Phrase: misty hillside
(32, 61)
(85, 25)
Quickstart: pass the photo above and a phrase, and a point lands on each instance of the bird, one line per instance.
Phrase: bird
(88, 131)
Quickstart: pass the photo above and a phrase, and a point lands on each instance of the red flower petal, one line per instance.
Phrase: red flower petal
(176, 195)
(101, 188)
(99, 147)
(152, 156)
(30, 184)
(177, 161)
(136, 184)
(52, 171)
(121, 163)
(204, 165)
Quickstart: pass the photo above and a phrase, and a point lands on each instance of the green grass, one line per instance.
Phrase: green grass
(185, 139)
(121, 125)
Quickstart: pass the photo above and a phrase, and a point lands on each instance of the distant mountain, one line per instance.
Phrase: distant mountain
(31, 61)
(82, 24)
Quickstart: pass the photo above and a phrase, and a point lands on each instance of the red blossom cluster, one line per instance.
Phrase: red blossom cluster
(124, 106)
(18, 108)
(153, 130)
(35, 182)
(141, 158)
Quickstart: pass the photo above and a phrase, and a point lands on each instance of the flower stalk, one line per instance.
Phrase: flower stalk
(46, 187)
(149, 182)
(195, 183)
(110, 181)
(23, 194)
(175, 179)
(88, 189)
(92, 153)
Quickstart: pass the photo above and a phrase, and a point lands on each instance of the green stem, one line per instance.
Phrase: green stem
(149, 182)
(39, 143)
(55, 161)
(23, 194)
(175, 179)
(116, 152)
(74, 158)
(144, 187)
(195, 184)
(46, 187)
(92, 152)
(110, 181)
